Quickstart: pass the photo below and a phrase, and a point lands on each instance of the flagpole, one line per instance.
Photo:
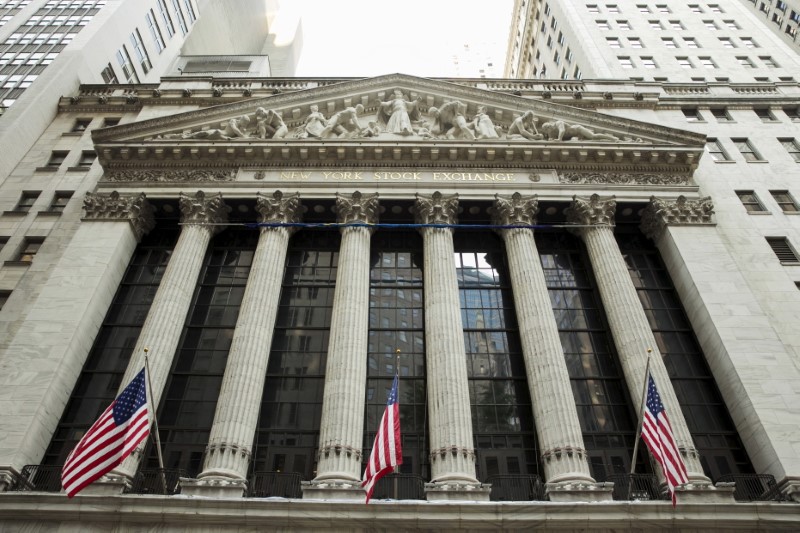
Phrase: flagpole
(155, 423)
(396, 373)
(641, 419)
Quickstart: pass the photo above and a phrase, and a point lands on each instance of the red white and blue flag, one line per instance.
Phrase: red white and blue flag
(118, 431)
(387, 451)
(657, 434)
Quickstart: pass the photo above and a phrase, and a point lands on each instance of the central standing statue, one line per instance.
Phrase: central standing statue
(395, 115)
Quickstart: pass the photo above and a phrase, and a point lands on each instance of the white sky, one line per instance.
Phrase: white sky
(373, 37)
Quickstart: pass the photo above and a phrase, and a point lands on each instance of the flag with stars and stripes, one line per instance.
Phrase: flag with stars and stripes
(657, 434)
(118, 431)
(387, 450)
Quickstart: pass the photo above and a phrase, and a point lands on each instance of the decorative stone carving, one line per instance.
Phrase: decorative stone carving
(278, 208)
(622, 178)
(357, 208)
(204, 211)
(217, 92)
(269, 124)
(230, 129)
(156, 93)
(344, 124)
(396, 114)
(483, 126)
(662, 213)
(314, 124)
(187, 93)
(170, 176)
(450, 121)
(436, 209)
(113, 206)
(524, 127)
(558, 130)
(131, 99)
(515, 210)
(592, 211)
(247, 92)
(102, 100)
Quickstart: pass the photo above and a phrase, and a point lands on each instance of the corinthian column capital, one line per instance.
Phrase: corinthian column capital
(356, 207)
(279, 208)
(592, 211)
(113, 206)
(661, 213)
(515, 210)
(436, 209)
(202, 210)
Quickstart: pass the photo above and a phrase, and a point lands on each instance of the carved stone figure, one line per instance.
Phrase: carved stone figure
(315, 123)
(524, 127)
(396, 114)
(230, 129)
(270, 124)
(558, 130)
(483, 125)
(344, 124)
(450, 121)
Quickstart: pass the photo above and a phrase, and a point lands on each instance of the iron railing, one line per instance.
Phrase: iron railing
(39, 478)
(640, 487)
(516, 488)
(399, 487)
(754, 487)
(267, 484)
(157, 481)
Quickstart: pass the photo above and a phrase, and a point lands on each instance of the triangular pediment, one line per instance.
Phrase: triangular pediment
(398, 116)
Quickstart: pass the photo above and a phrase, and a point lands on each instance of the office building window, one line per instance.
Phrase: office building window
(648, 62)
(694, 8)
(747, 149)
(140, 51)
(676, 25)
(26, 201)
(731, 24)
(749, 42)
(59, 201)
(613, 42)
(625, 62)
(110, 121)
(785, 201)
(603, 25)
(80, 125)
(768, 61)
(30, 247)
(714, 8)
(727, 42)
(664, 9)
(721, 114)
(710, 25)
(155, 31)
(783, 250)
(108, 75)
(56, 158)
(179, 13)
(4, 296)
(707, 62)
(592, 8)
(745, 61)
(635, 42)
(792, 147)
(643, 8)
(624, 25)
(655, 25)
(166, 18)
(669, 42)
(715, 150)
(692, 114)
(612, 8)
(751, 202)
(793, 112)
(190, 14)
(684, 62)
(125, 63)
(764, 114)
(87, 158)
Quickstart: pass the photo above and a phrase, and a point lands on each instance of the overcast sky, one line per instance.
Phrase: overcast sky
(373, 37)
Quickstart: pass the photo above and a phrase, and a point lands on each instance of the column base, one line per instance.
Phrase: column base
(457, 491)
(108, 485)
(333, 490)
(213, 487)
(705, 493)
(9, 476)
(579, 491)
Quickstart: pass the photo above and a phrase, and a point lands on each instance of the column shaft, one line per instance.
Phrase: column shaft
(452, 452)
(557, 423)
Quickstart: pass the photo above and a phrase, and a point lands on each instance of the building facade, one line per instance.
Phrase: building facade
(781, 16)
(513, 249)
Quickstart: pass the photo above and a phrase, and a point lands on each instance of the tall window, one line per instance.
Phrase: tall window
(165, 16)
(181, 21)
(140, 51)
(721, 449)
(715, 150)
(190, 396)
(396, 322)
(155, 31)
(288, 429)
(792, 147)
(101, 376)
(125, 63)
(502, 416)
(747, 150)
(608, 421)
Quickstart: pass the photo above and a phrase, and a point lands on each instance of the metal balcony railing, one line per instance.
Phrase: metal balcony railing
(754, 487)
(399, 487)
(157, 481)
(516, 488)
(638, 487)
(39, 478)
(270, 484)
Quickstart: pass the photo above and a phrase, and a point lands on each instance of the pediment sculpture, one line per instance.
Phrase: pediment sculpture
(399, 117)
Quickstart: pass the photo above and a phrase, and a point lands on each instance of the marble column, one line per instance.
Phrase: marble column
(162, 329)
(342, 424)
(229, 450)
(627, 320)
(45, 354)
(450, 419)
(558, 428)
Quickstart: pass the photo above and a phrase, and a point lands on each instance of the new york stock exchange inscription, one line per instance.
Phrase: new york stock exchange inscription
(476, 177)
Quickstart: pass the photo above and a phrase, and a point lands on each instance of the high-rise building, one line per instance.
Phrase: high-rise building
(781, 16)
(520, 251)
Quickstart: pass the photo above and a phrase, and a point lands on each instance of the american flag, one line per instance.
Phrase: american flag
(121, 427)
(387, 451)
(657, 434)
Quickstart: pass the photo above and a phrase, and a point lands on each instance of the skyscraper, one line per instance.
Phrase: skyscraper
(520, 251)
